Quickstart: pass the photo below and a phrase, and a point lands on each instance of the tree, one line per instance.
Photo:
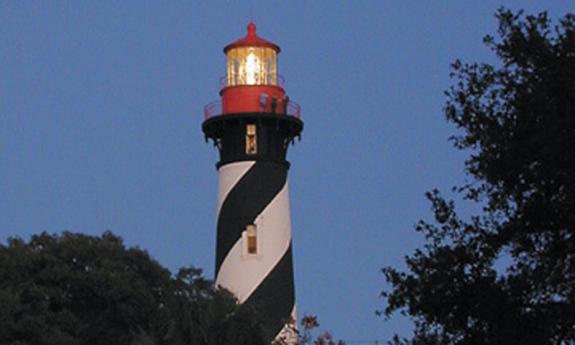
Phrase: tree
(79, 289)
(305, 335)
(506, 275)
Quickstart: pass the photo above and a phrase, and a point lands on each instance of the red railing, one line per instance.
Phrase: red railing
(215, 108)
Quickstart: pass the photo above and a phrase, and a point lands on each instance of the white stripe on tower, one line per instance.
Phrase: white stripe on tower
(228, 180)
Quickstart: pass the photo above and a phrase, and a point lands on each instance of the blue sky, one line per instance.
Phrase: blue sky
(101, 105)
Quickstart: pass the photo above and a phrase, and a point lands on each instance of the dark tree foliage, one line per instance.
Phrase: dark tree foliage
(507, 275)
(79, 289)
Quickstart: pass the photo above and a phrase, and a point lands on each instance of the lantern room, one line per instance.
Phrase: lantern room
(251, 66)
(252, 83)
(251, 60)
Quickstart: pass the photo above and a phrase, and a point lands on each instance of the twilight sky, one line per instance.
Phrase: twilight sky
(101, 104)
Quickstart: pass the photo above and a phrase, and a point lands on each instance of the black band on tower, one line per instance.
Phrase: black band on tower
(275, 297)
(274, 132)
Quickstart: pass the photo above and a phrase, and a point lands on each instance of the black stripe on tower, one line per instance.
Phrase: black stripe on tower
(245, 201)
(274, 133)
(275, 297)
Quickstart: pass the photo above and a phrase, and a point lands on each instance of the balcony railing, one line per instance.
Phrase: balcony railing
(291, 108)
(279, 81)
(213, 109)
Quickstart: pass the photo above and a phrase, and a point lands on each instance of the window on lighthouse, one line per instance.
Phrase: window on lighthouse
(250, 241)
(251, 139)
(251, 66)
(252, 71)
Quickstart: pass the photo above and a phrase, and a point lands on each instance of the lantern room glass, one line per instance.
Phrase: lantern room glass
(252, 66)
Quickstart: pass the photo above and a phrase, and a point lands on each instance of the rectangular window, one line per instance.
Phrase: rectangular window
(251, 239)
(251, 139)
(252, 244)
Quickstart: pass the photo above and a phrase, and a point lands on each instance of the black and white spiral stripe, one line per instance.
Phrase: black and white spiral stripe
(256, 192)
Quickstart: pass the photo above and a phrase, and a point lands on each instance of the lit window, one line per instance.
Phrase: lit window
(250, 241)
(252, 66)
(253, 70)
(252, 237)
(251, 140)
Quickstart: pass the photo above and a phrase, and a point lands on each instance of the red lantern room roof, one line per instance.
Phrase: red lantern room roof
(252, 40)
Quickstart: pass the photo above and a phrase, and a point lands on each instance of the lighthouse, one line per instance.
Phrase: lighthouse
(252, 125)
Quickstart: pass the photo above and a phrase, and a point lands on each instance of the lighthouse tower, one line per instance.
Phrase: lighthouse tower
(252, 126)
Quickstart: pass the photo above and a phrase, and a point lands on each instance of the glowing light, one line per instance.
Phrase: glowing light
(252, 68)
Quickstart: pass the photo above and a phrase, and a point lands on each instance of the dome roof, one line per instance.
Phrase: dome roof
(252, 40)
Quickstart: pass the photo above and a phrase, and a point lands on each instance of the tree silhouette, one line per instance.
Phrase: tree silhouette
(80, 289)
(506, 275)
